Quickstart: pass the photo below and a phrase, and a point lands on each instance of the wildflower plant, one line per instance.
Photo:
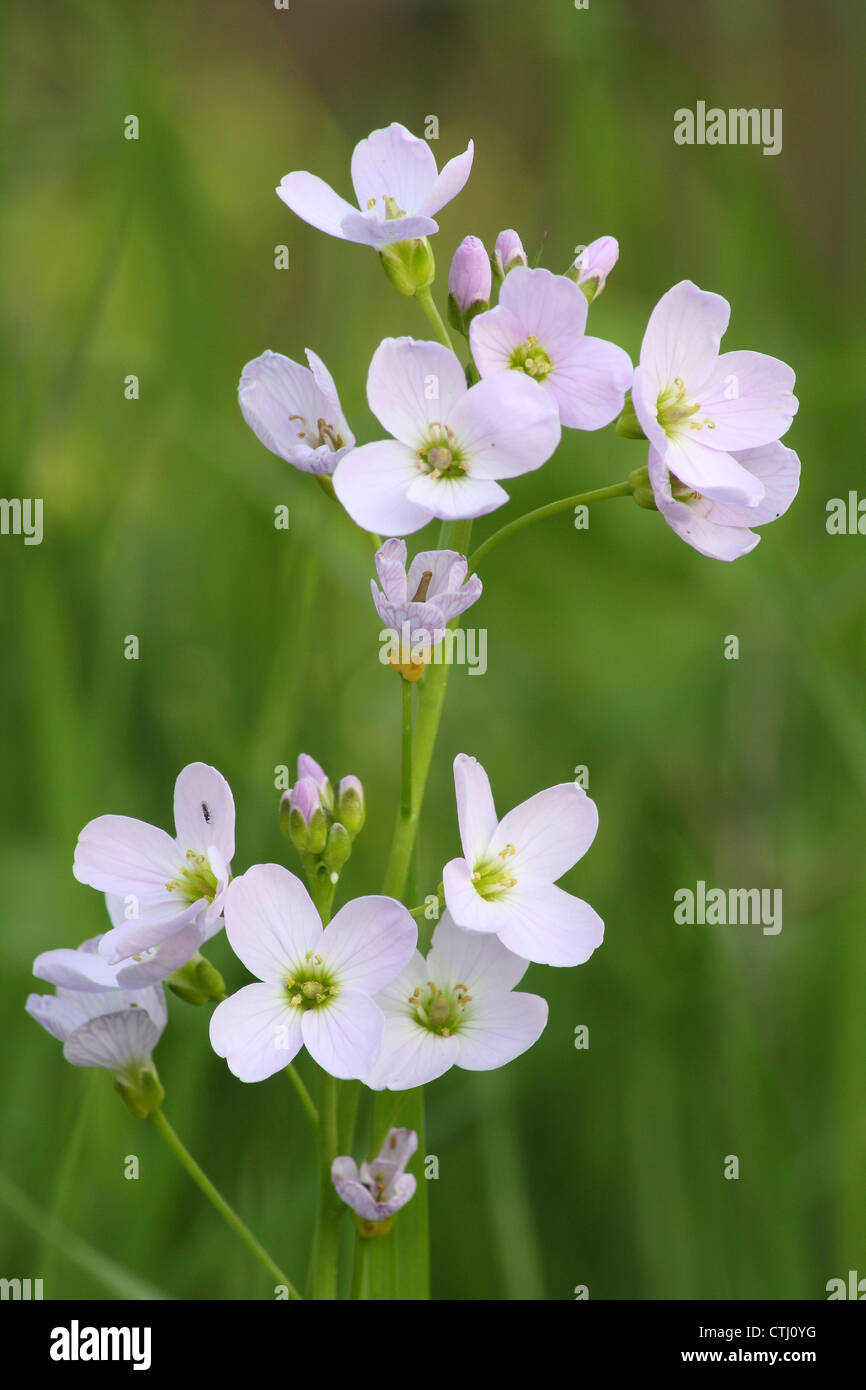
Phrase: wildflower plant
(390, 991)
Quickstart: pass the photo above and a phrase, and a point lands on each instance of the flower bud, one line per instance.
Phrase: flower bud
(470, 283)
(337, 849)
(628, 426)
(140, 1089)
(641, 488)
(308, 767)
(350, 809)
(308, 827)
(197, 982)
(409, 265)
(508, 253)
(593, 264)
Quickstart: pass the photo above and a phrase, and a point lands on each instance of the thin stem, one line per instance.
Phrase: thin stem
(324, 1283)
(551, 509)
(359, 1268)
(425, 299)
(303, 1095)
(406, 752)
(228, 1214)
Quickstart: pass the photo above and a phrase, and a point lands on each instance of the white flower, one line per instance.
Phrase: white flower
(295, 411)
(317, 985)
(457, 1008)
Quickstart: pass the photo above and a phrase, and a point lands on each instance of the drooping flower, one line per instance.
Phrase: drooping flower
(508, 253)
(111, 1028)
(397, 185)
(377, 1190)
(295, 411)
(166, 884)
(700, 409)
(721, 529)
(451, 442)
(539, 328)
(506, 883)
(457, 1008)
(317, 985)
(470, 282)
(416, 606)
(593, 264)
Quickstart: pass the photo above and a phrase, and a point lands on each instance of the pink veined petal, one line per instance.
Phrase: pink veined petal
(315, 201)
(480, 962)
(372, 483)
(165, 958)
(500, 1030)
(644, 395)
(507, 425)
(550, 926)
(394, 163)
(59, 1017)
(550, 307)
(683, 335)
(119, 854)
(204, 811)
(373, 229)
(271, 922)
(345, 1035)
(549, 833)
(256, 1031)
(493, 337)
(450, 181)
(412, 385)
(469, 910)
(411, 1055)
(446, 568)
(413, 622)
(762, 408)
(112, 1041)
(391, 569)
(144, 932)
(711, 472)
(690, 520)
(590, 382)
(75, 970)
(455, 499)
(779, 470)
(327, 388)
(369, 943)
(476, 812)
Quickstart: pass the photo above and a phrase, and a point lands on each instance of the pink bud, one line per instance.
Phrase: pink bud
(593, 265)
(508, 252)
(470, 277)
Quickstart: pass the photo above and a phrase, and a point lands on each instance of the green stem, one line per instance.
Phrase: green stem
(362, 1245)
(551, 509)
(324, 1283)
(228, 1214)
(406, 752)
(425, 299)
(303, 1095)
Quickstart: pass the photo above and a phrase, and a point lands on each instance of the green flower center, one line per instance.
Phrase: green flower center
(440, 456)
(674, 408)
(195, 880)
(532, 359)
(311, 984)
(439, 1010)
(491, 878)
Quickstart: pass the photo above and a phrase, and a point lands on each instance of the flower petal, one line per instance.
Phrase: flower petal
(372, 483)
(450, 181)
(507, 425)
(690, 520)
(550, 307)
(412, 385)
(550, 926)
(315, 201)
(391, 569)
(112, 1041)
(411, 1055)
(481, 963)
(750, 399)
(119, 854)
(256, 1031)
(345, 1035)
(476, 812)
(455, 499)
(204, 811)
(470, 911)
(369, 943)
(779, 470)
(711, 472)
(271, 922)
(683, 335)
(590, 382)
(500, 1030)
(493, 337)
(549, 832)
(394, 163)
(373, 229)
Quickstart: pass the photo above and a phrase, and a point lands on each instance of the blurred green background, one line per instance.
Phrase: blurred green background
(601, 1167)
